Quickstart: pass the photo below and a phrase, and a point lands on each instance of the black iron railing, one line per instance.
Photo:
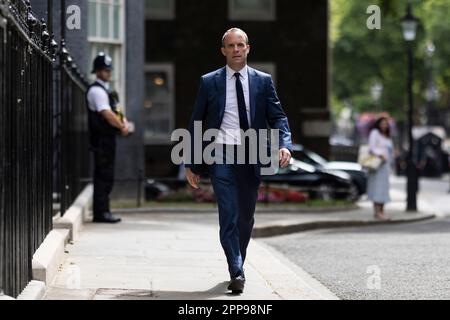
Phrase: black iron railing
(72, 141)
(43, 138)
(26, 61)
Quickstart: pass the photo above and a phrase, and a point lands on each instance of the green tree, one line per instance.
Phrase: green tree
(362, 57)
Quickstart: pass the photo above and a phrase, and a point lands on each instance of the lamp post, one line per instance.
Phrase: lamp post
(409, 25)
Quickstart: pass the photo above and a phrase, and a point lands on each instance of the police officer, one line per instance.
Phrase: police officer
(104, 125)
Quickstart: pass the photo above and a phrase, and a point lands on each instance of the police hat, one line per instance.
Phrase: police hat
(102, 62)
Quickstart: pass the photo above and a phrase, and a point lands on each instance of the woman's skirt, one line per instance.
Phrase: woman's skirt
(378, 185)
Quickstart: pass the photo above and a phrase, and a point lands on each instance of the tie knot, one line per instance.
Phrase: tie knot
(237, 75)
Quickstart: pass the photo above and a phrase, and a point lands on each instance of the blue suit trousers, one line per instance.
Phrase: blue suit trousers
(236, 189)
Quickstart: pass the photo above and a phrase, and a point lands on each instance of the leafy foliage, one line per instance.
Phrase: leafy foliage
(362, 57)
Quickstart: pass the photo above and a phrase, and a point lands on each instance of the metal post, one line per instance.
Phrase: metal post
(139, 188)
(50, 16)
(412, 170)
(63, 20)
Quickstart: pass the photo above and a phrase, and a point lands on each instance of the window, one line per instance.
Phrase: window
(106, 27)
(256, 10)
(159, 115)
(160, 9)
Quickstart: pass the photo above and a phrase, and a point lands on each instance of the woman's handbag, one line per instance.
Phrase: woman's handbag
(370, 162)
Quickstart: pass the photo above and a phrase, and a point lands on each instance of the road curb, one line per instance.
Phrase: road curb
(34, 291)
(258, 210)
(50, 253)
(75, 216)
(272, 230)
(287, 280)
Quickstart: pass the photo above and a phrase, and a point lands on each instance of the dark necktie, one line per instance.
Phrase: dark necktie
(243, 118)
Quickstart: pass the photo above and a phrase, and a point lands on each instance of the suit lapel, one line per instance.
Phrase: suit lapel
(253, 84)
(221, 83)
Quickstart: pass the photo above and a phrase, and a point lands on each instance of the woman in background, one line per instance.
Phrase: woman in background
(380, 145)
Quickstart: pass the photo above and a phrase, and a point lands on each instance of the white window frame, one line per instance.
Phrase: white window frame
(120, 43)
(169, 68)
(236, 14)
(162, 14)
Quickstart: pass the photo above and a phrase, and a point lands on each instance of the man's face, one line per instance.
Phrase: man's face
(104, 75)
(236, 49)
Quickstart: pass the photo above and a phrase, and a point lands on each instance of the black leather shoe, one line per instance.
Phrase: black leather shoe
(107, 217)
(237, 285)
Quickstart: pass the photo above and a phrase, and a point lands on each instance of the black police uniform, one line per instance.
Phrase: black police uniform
(103, 146)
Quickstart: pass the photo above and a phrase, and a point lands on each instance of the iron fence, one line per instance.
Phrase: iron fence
(43, 138)
(71, 141)
(25, 142)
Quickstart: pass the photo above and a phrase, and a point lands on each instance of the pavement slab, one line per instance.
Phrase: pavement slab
(177, 256)
(169, 257)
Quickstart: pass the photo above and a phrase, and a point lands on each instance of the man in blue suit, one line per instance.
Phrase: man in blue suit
(232, 100)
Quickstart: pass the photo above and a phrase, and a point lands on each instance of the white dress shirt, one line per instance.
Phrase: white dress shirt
(230, 129)
(98, 99)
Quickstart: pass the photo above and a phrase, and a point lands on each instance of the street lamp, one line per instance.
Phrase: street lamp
(410, 24)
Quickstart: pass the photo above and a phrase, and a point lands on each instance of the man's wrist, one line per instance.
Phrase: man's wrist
(286, 149)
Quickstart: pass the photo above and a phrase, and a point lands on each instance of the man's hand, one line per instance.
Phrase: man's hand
(114, 121)
(192, 178)
(285, 158)
(125, 130)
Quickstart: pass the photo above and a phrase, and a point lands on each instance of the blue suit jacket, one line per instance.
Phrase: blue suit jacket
(265, 107)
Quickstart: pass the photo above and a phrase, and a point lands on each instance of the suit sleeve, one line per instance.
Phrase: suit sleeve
(276, 116)
(198, 115)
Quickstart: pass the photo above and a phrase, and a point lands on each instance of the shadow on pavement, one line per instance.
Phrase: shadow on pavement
(218, 291)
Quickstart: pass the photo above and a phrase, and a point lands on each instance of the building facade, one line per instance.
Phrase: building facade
(289, 39)
(162, 47)
(117, 28)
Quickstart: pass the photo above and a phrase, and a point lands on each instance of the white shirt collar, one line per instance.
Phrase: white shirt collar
(103, 83)
(231, 72)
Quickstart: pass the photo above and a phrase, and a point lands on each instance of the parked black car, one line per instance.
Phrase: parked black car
(320, 183)
(355, 170)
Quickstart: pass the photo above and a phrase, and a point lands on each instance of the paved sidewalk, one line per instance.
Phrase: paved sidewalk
(171, 257)
(177, 256)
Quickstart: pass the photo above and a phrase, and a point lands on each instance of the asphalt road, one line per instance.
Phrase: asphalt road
(410, 261)
(390, 262)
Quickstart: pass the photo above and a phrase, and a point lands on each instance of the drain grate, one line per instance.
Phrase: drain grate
(124, 294)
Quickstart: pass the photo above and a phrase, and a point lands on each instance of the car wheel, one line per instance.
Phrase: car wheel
(325, 192)
(353, 193)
